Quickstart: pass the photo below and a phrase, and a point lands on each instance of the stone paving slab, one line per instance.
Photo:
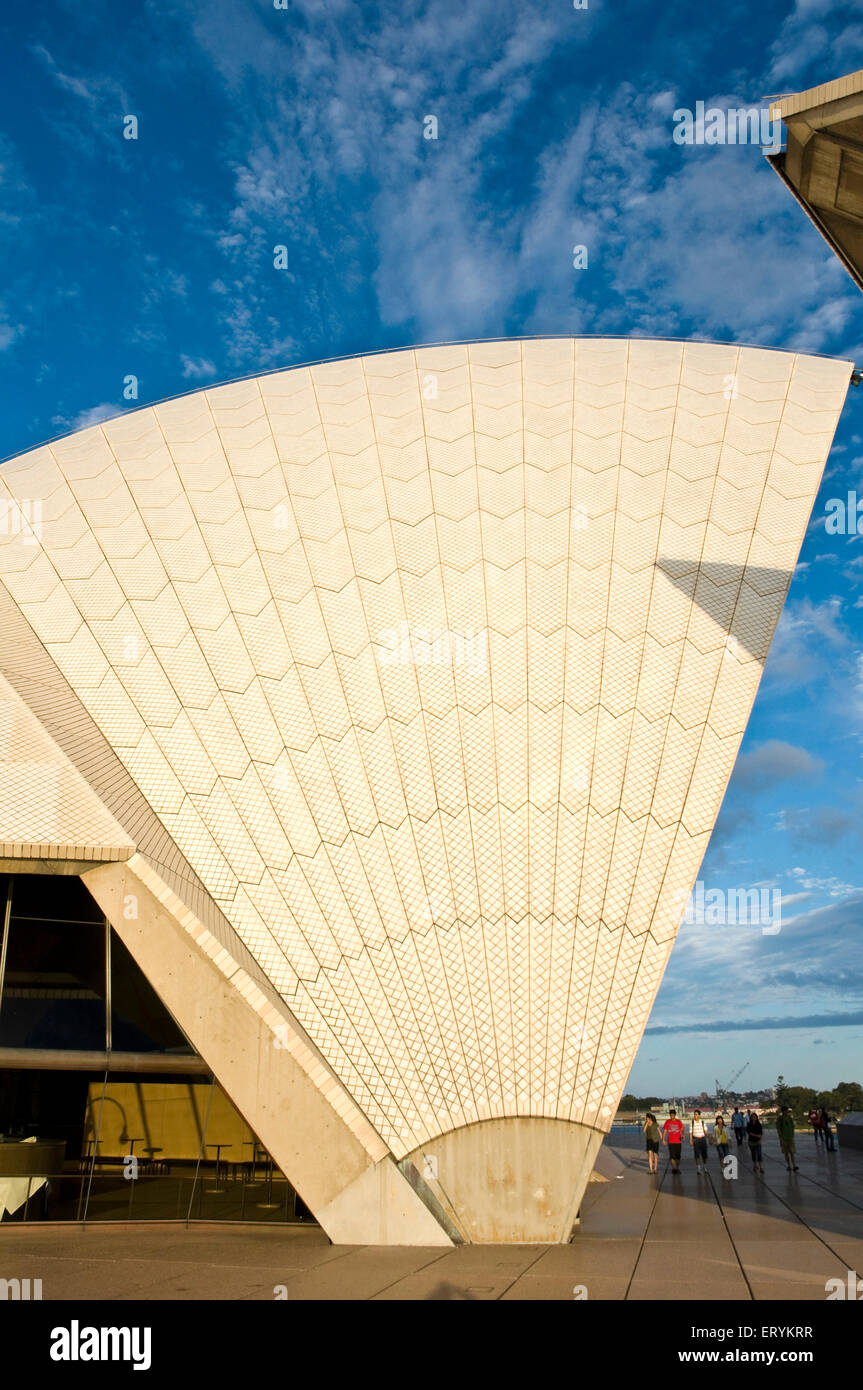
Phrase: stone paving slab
(587, 1257)
(601, 1289)
(481, 1272)
(664, 1271)
(364, 1273)
(795, 1270)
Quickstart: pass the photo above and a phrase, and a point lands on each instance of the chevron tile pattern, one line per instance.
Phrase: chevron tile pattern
(435, 666)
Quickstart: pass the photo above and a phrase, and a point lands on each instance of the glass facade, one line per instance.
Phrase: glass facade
(106, 1112)
(137, 1019)
(54, 986)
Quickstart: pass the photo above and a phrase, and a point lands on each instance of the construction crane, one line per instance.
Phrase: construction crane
(723, 1091)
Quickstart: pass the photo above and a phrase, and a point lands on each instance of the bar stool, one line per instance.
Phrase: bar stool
(269, 1204)
(218, 1148)
(253, 1164)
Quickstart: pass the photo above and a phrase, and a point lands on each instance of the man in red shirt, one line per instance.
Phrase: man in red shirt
(672, 1135)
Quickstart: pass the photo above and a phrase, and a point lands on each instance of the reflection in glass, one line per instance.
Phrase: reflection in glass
(139, 1020)
(53, 988)
(121, 1145)
(178, 1149)
(54, 985)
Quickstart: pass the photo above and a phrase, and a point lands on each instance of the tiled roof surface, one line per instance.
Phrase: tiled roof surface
(434, 666)
(47, 810)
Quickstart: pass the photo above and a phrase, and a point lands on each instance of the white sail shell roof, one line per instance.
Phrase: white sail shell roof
(434, 665)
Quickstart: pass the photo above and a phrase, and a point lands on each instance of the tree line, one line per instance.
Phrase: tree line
(845, 1097)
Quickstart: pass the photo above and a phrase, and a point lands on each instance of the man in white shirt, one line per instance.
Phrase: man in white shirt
(698, 1140)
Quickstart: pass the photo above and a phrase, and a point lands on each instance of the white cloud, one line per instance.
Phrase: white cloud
(92, 124)
(706, 229)
(197, 368)
(448, 262)
(814, 32)
(471, 234)
(95, 89)
(805, 629)
(773, 762)
(95, 415)
(9, 332)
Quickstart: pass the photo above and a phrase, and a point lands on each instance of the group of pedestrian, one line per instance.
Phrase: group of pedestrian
(747, 1129)
(822, 1128)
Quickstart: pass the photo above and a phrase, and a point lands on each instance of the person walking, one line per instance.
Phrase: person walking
(738, 1124)
(785, 1130)
(698, 1140)
(755, 1133)
(827, 1132)
(651, 1140)
(815, 1122)
(720, 1138)
(672, 1135)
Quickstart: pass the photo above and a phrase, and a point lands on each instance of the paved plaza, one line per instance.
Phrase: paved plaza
(780, 1236)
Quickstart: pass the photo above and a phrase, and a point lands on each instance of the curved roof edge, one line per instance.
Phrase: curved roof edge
(418, 347)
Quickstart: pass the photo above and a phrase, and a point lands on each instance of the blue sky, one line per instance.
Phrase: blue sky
(304, 127)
